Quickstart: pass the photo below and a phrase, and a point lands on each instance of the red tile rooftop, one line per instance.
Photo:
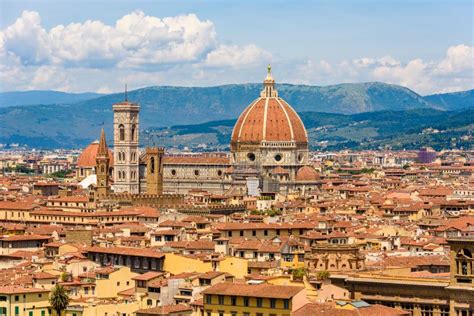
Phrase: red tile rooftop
(25, 237)
(257, 290)
(148, 276)
(127, 251)
(165, 310)
(11, 289)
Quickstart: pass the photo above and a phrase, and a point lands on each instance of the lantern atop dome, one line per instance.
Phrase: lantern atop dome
(269, 90)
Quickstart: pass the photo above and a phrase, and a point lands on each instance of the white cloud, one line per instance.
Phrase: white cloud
(144, 50)
(453, 73)
(235, 56)
(458, 59)
(26, 39)
(136, 40)
(412, 75)
(140, 48)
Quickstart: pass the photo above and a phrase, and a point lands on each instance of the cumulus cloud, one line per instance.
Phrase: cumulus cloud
(144, 50)
(235, 56)
(135, 40)
(458, 58)
(453, 73)
(135, 46)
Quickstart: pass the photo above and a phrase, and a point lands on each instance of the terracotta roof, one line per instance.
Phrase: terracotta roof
(257, 290)
(126, 251)
(307, 173)
(269, 119)
(316, 309)
(147, 276)
(24, 206)
(165, 310)
(10, 289)
(43, 276)
(89, 154)
(25, 237)
(280, 170)
(210, 275)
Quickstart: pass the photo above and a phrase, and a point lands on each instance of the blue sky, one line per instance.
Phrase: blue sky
(425, 45)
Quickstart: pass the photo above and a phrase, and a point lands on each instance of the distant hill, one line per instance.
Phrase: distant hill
(453, 101)
(75, 124)
(409, 129)
(43, 97)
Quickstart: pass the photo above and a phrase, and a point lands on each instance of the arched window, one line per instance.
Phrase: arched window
(121, 132)
(152, 165)
(133, 132)
(463, 260)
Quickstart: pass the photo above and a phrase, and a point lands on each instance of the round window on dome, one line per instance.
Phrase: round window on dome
(300, 158)
(173, 172)
(251, 156)
(219, 173)
(278, 157)
(196, 172)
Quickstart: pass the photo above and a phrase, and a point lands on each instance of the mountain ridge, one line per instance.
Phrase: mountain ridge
(33, 97)
(76, 124)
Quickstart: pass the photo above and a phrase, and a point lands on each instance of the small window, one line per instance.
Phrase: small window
(221, 300)
(152, 165)
(272, 303)
(251, 156)
(278, 157)
(196, 172)
(121, 132)
(233, 300)
(219, 173)
(133, 132)
(259, 302)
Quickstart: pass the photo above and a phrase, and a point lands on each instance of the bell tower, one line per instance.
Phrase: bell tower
(154, 170)
(126, 140)
(102, 168)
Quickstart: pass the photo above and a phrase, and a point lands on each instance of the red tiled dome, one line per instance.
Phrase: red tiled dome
(88, 155)
(269, 119)
(280, 171)
(307, 173)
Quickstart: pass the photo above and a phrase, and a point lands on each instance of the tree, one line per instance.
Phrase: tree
(298, 273)
(59, 299)
(64, 277)
(322, 275)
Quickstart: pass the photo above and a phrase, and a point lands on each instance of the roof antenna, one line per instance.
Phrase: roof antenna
(126, 96)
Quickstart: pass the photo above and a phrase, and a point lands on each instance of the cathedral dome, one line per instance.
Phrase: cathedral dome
(87, 159)
(269, 119)
(307, 173)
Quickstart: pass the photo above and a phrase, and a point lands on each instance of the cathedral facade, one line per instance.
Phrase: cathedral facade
(269, 147)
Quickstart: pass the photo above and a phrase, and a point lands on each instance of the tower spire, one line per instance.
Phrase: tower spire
(103, 151)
